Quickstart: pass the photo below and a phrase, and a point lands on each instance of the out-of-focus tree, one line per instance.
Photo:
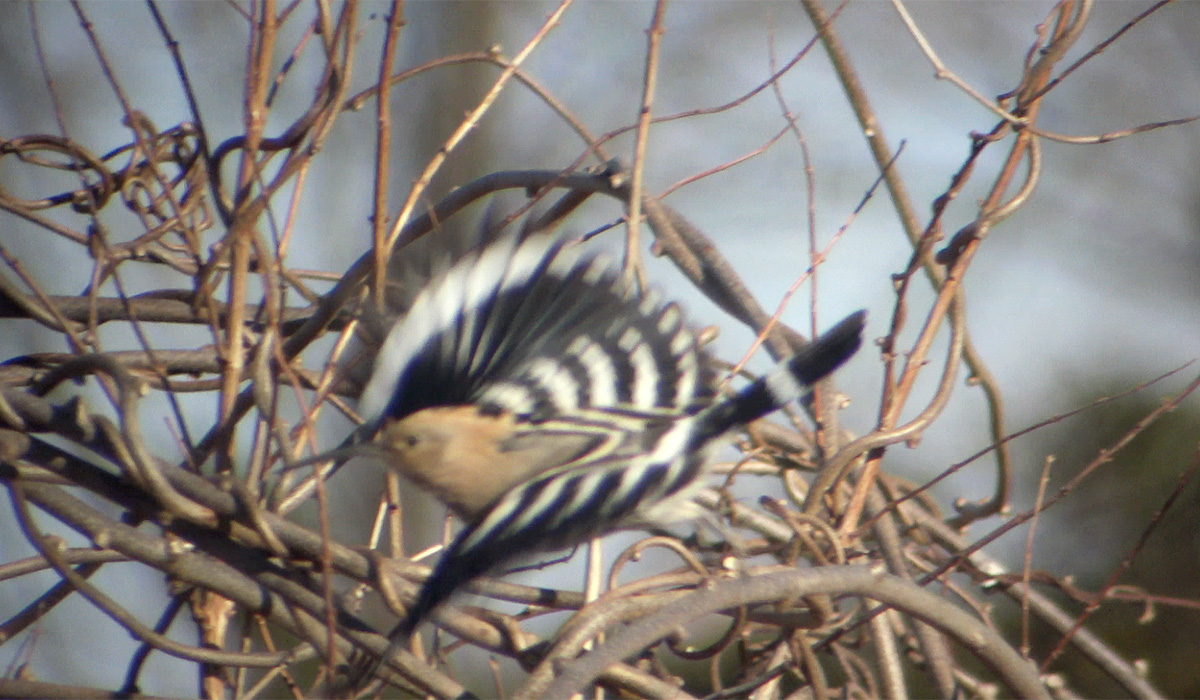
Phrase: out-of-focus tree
(198, 203)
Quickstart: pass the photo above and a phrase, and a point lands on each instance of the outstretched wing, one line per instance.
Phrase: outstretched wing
(640, 466)
(531, 323)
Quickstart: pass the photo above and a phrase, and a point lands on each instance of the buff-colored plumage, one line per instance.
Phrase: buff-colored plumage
(467, 458)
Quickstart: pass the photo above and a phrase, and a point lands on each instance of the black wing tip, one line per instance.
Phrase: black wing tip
(408, 626)
(433, 592)
(458, 566)
(831, 349)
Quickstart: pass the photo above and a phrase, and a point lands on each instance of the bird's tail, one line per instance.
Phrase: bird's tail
(789, 381)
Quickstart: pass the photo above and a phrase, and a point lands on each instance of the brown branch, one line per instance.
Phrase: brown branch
(988, 646)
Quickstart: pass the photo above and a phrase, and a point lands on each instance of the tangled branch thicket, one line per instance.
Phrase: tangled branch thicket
(855, 583)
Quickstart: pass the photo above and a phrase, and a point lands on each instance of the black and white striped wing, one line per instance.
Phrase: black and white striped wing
(534, 325)
(644, 473)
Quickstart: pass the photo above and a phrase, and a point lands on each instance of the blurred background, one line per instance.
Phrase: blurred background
(1091, 288)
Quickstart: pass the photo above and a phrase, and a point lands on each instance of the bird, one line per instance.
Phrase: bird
(546, 400)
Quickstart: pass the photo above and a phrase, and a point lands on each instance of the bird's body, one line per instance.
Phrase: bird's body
(545, 402)
(469, 458)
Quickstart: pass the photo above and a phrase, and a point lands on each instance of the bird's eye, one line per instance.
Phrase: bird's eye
(411, 440)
